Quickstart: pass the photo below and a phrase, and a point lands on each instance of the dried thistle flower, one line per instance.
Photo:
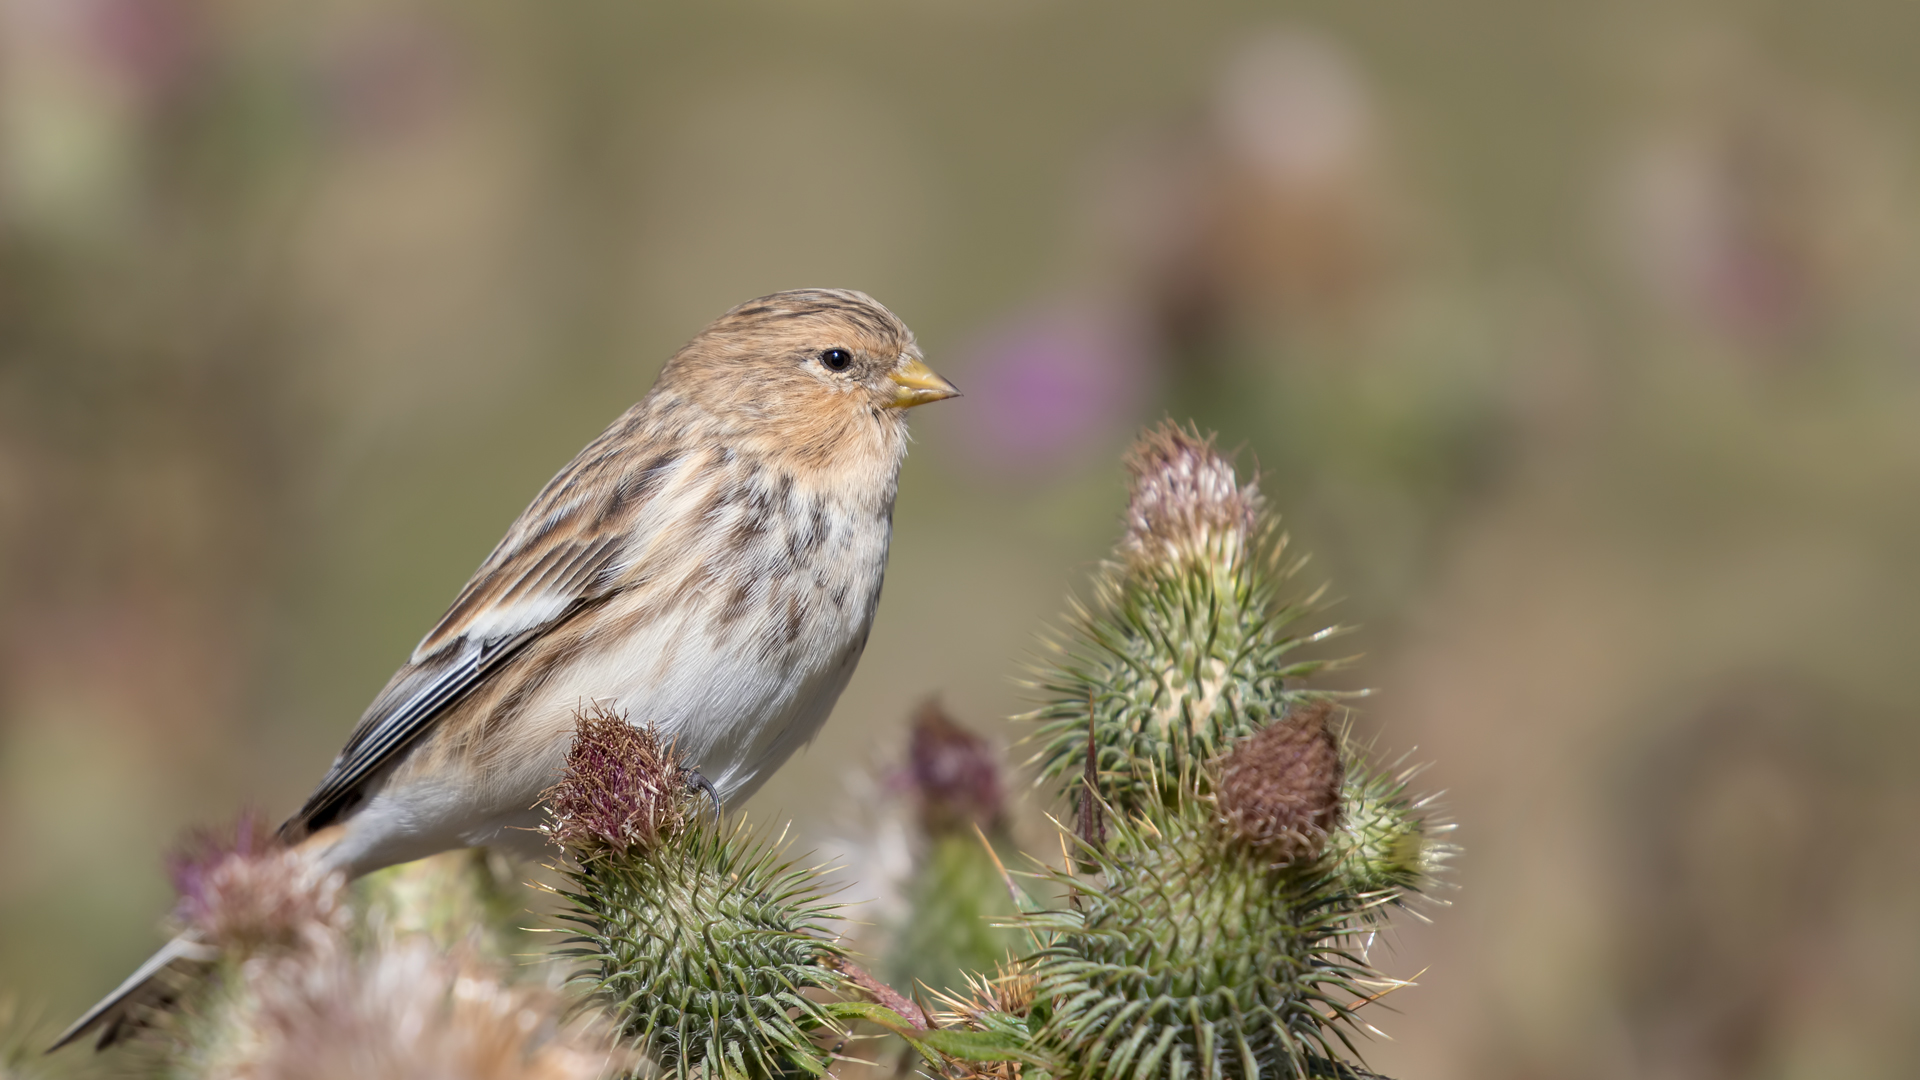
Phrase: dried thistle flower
(405, 1011)
(1010, 990)
(1000, 1006)
(241, 890)
(955, 773)
(621, 790)
(963, 1069)
(1186, 504)
(1278, 790)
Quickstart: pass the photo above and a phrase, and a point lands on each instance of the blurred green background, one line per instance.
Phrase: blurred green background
(1578, 342)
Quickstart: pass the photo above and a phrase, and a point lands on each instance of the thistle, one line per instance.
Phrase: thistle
(405, 1008)
(244, 900)
(299, 986)
(1195, 956)
(1186, 646)
(1278, 791)
(242, 893)
(1230, 844)
(1230, 848)
(955, 896)
(1389, 842)
(697, 936)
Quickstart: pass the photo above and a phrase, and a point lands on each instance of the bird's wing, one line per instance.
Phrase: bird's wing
(127, 1009)
(568, 549)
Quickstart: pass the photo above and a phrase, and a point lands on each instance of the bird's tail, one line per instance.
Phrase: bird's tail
(158, 983)
(154, 986)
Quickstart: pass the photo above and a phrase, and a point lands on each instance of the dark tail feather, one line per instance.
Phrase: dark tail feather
(122, 1012)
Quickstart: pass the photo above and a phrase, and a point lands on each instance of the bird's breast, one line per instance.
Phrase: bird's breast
(738, 640)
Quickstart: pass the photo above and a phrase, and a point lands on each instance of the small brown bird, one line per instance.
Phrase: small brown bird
(709, 565)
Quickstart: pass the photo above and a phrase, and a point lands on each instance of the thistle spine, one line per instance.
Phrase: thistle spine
(698, 937)
(1246, 844)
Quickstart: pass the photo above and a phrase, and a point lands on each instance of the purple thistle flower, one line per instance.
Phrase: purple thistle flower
(956, 774)
(622, 789)
(241, 889)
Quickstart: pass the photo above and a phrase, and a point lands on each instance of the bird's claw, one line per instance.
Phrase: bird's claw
(705, 787)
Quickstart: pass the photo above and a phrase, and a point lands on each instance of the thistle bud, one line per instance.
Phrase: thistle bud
(955, 773)
(956, 892)
(1389, 842)
(1186, 506)
(621, 789)
(1186, 646)
(702, 942)
(1185, 959)
(1278, 791)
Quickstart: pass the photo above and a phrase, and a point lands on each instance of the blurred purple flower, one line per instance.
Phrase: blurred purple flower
(242, 889)
(1050, 385)
(955, 772)
(150, 46)
(195, 857)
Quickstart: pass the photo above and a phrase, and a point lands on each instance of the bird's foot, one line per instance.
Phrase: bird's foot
(705, 787)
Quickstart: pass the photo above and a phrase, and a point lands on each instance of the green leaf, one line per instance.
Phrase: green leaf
(867, 1010)
(939, 1043)
(982, 1046)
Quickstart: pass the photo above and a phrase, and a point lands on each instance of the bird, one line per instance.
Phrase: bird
(709, 565)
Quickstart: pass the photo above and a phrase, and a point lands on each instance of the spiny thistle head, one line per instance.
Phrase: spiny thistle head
(1186, 646)
(1191, 956)
(700, 940)
(240, 889)
(1387, 844)
(1187, 506)
(621, 789)
(955, 773)
(703, 948)
(955, 894)
(1278, 790)
(1009, 991)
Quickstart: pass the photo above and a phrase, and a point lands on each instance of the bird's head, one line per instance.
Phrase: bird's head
(823, 371)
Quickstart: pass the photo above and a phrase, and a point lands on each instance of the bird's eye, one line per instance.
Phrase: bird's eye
(837, 359)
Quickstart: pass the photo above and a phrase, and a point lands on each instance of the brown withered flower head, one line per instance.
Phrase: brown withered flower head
(1010, 991)
(622, 789)
(1186, 503)
(955, 773)
(1278, 791)
(239, 889)
(1013, 989)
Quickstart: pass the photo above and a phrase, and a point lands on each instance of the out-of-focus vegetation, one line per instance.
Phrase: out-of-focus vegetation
(1576, 341)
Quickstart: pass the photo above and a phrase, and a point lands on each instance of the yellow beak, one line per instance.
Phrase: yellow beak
(916, 384)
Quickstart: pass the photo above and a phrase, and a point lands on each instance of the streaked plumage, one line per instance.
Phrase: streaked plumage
(710, 565)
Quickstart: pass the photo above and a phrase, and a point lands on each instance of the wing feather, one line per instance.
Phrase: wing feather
(565, 551)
